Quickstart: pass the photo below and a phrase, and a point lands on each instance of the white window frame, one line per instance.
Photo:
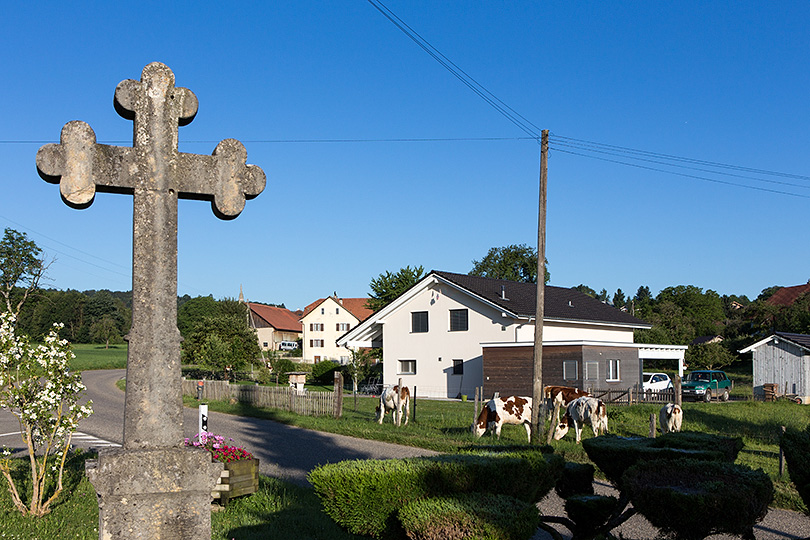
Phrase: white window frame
(592, 371)
(567, 365)
(405, 364)
(614, 370)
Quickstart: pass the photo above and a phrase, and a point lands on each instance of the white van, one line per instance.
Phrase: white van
(287, 346)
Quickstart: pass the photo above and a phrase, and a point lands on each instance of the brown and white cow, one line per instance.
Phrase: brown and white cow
(671, 418)
(390, 401)
(504, 410)
(562, 395)
(581, 411)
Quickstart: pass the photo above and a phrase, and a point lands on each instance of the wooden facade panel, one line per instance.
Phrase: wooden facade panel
(508, 370)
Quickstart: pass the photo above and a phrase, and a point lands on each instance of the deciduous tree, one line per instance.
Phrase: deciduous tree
(388, 286)
(22, 266)
(513, 263)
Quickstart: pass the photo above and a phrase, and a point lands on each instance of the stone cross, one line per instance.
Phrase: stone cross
(156, 174)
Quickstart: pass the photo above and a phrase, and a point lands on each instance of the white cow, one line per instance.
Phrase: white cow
(392, 399)
(671, 418)
(583, 410)
(504, 410)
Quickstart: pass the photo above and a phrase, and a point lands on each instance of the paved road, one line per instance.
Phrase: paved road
(289, 453)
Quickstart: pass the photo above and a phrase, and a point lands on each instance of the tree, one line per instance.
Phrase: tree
(105, 329)
(513, 263)
(38, 388)
(359, 366)
(619, 300)
(222, 343)
(192, 311)
(21, 268)
(387, 287)
(708, 356)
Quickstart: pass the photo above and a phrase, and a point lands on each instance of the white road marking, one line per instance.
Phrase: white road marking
(91, 441)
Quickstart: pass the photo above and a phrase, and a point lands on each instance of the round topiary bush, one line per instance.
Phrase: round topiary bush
(614, 455)
(692, 499)
(576, 479)
(589, 512)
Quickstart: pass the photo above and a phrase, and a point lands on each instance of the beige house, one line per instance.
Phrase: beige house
(324, 321)
(451, 333)
(274, 325)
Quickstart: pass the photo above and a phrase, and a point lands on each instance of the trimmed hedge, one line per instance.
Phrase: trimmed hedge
(796, 447)
(693, 499)
(614, 454)
(576, 479)
(480, 516)
(364, 496)
(589, 512)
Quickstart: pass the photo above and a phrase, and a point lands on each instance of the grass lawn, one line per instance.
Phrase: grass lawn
(94, 356)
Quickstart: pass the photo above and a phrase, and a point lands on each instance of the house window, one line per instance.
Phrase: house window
(592, 371)
(570, 370)
(337, 311)
(316, 343)
(458, 367)
(264, 344)
(419, 322)
(345, 359)
(458, 320)
(316, 327)
(407, 367)
(323, 311)
(613, 372)
(342, 326)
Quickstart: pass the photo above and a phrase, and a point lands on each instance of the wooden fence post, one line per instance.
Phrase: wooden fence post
(554, 415)
(676, 387)
(781, 456)
(652, 425)
(338, 392)
(414, 403)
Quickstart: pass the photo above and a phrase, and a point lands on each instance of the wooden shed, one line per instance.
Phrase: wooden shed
(782, 366)
(580, 364)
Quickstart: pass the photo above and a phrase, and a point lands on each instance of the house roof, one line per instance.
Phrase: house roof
(517, 300)
(560, 303)
(801, 340)
(278, 318)
(787, 295)
(706, 339)
(355, 306)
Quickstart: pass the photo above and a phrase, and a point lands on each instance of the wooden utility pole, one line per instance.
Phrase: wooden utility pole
(537, 376)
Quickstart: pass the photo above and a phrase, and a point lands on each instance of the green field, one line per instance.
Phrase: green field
(94, 356)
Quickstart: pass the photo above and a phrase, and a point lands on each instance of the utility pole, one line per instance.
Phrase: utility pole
(537, 375)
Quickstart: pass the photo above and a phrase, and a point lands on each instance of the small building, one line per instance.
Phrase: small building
(274, 325)
(782, 362)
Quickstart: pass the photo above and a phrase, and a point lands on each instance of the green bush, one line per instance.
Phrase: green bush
(480, 516)
(614, 455)
(796, 447)
(365, 496)
(589, 512)
(324, 372)
(576, 479)
(693, 499)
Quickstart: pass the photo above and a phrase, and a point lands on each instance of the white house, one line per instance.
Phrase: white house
(440, 333)
(782, 360)
(324, 321)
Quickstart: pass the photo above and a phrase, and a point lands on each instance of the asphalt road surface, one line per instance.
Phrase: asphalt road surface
(289, 453)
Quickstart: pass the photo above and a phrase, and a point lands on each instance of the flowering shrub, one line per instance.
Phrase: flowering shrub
(218, 447)
(37, 387)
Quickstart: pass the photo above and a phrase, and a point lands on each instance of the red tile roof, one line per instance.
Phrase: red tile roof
(787, 295)
(355, 306)
(278, 318)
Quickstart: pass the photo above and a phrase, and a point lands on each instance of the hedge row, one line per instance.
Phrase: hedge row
(365, 496)
(796, 447)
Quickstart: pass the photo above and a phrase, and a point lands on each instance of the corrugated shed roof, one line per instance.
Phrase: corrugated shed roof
(787, 295)
(799, 339)
(278, 318)
(560, 302)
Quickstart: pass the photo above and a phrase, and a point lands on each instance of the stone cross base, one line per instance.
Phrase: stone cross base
(154, 493)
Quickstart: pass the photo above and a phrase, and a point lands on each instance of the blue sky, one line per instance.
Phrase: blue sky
(707, 81)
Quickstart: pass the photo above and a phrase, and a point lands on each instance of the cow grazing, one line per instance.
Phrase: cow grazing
(562, 395)
(671, 418)
(504, 410)
(393, 399)
(581, 411)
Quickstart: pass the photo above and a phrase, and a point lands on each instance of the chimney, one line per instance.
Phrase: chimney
(503, 292)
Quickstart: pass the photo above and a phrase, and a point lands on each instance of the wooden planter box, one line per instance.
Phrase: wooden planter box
(237, 478)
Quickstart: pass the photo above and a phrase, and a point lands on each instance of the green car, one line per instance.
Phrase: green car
(705, 384)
